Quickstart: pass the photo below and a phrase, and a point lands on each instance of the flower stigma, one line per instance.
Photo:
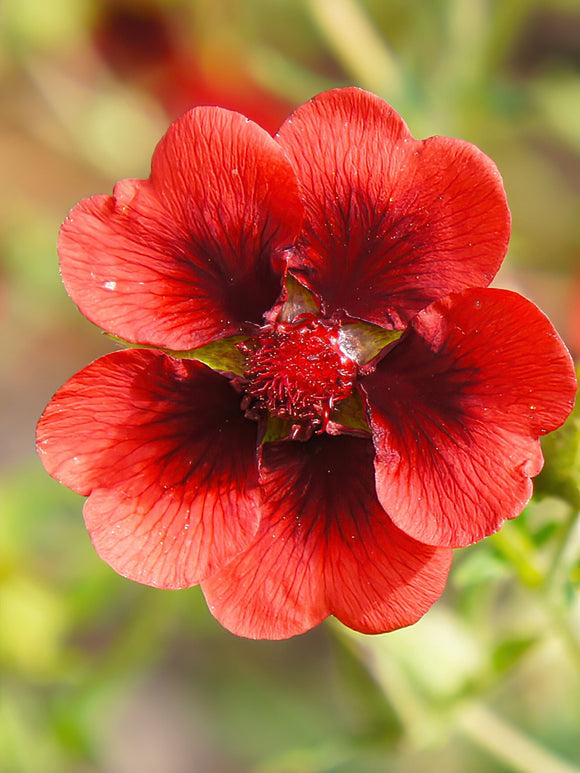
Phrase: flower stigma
(297, 371)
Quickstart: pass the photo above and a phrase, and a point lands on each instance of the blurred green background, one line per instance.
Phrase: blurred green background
(100, 675)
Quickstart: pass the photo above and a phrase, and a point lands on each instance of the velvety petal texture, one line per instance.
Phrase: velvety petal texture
(324, 546)
(392, 223)
(168, 460)
(328, 465)
(456, 409)
(193, 253)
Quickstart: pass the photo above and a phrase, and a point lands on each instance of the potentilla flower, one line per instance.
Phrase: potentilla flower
(328, 397)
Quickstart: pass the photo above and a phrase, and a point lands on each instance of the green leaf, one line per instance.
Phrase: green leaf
(509, 652)
(561, 474)
(480, 566)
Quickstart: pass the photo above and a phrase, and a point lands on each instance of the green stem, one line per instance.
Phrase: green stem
(541, 582)
(565, 555)
(508, 744)
(474, 720)
(357, 45)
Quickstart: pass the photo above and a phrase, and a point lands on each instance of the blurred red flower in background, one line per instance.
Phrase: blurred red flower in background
(370, 404)
(146, 45)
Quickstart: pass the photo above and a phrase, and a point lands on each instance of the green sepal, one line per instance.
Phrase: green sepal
(277, 429)
(299, 300)
(222, 355)
(363, 341)
(351, 414)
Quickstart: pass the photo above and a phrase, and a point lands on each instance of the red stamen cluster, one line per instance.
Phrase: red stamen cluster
(298, 371)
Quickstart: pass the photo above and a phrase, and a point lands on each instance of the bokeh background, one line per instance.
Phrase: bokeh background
(100, 675)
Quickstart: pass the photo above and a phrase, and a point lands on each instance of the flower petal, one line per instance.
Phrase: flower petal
(392, 223)
(163, 450)
(191, 254)
(456, 410)
(325, 546)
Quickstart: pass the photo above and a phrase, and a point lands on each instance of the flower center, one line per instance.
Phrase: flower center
(298, 371)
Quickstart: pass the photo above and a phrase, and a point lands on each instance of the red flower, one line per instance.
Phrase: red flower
(370, 404)
(150, 46)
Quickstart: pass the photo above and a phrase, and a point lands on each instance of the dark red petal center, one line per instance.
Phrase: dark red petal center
(298, 371)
